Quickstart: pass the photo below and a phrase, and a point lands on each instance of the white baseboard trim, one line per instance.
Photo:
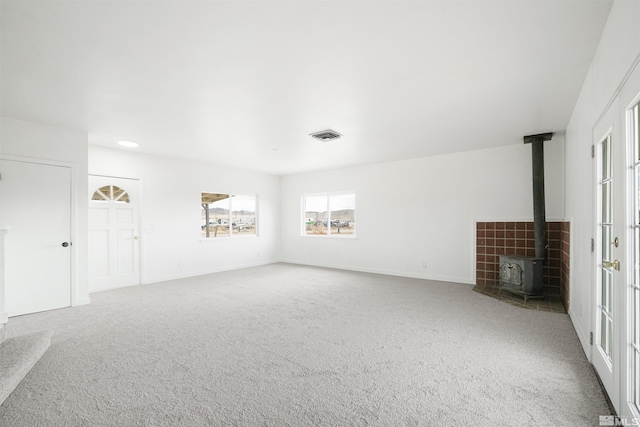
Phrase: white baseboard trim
(81, 301)
(159, 279)
(463, 280)
(583, 337)
(110, 288)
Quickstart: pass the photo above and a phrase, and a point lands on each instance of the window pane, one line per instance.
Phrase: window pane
(243, 215)
(218, 207)
(103, 193)
(119, 195)
(331, 215)
(315, 215)
(111, 193)
(343, 214)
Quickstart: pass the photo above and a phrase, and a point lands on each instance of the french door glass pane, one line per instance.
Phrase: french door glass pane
(606, 158)
(636, 392)
(606, 243)
(636, 352)
(609, 335)
(635, 122)
(637, 204)
(605, 289)
(636, 335)
(606, 202)
(636, 257)
(634, 316)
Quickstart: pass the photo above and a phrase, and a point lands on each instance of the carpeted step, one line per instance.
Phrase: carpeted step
(17, 356)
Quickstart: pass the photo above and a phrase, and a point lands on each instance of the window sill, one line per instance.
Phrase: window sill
(333, 236)
(215, 239)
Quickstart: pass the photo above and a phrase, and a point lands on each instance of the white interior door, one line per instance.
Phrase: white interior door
(609, 250)
(114, 244)
(36, 204)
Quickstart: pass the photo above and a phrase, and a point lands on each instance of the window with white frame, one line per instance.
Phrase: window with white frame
(228, 215)
(329, 215)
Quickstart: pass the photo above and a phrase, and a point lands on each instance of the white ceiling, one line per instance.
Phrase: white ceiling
(244, 83)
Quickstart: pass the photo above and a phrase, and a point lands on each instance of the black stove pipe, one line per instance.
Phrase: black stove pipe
(539, 219)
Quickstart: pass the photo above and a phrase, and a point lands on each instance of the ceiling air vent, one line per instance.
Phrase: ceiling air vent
(326, 135)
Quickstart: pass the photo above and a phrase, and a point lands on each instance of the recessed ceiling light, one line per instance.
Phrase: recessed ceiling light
(128, 144)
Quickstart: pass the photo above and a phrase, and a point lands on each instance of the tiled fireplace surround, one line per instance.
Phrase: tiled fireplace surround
(517, 238)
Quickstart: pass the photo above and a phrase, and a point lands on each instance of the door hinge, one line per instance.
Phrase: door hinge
(590, 338)
(593, 245)
(593, 151)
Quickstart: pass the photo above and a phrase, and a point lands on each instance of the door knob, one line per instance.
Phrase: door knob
(608, 264)
(65, 244)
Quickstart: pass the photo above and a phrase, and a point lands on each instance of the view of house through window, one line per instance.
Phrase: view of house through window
(329, 215)
(227, 215)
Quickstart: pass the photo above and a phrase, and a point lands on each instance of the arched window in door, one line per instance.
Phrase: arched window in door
(110, 193)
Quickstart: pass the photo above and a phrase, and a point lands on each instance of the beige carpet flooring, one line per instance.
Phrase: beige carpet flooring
(287, 345)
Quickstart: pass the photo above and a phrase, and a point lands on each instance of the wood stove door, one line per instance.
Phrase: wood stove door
(609, 219)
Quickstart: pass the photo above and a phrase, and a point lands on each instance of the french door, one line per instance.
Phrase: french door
(630, 339)
(616, 322)
(609, 249)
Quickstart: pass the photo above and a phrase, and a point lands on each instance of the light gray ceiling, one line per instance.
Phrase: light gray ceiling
(244, 83)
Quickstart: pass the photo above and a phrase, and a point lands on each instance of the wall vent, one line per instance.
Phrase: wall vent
(326, 135)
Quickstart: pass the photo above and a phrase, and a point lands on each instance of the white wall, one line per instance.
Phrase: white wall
(170, 230)
(412, 211)
(618, 49)
(35, 141)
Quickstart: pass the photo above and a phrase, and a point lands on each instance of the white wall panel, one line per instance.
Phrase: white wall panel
(171, 243)
(422, 210)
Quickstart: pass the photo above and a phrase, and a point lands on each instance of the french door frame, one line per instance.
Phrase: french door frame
(629, 98)
(616, 376)
(606, 296)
